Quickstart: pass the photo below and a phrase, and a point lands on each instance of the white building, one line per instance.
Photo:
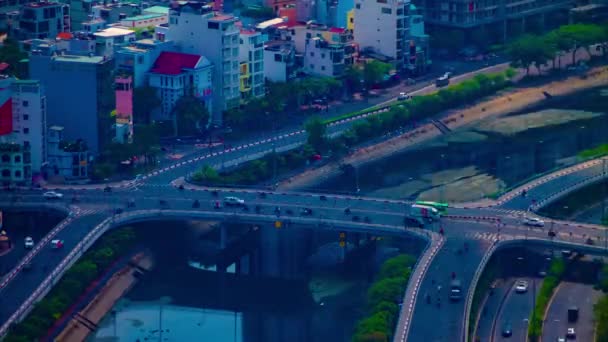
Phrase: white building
(279, 61)
(196, 29)
(29, 120)
(177, 74)
(251, 58)
(382, 27)
(110, 39)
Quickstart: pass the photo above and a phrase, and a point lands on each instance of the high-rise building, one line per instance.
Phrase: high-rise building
(382, 28)
(196, 29)
(80, 95)
(471, 15)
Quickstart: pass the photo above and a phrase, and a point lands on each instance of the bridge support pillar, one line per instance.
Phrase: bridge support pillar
(223, 236)
(357, 239)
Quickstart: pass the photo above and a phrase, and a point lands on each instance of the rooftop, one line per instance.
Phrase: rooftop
(222, 17)
(271, 22)
(157, 9)
(172, 63)
(144, 17)
(79, 59)
(248, 32)
(41, 4)
(113, 32)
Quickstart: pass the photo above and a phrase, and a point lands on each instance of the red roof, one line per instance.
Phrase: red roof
(336, 30)
(172, 63)
(65, 35)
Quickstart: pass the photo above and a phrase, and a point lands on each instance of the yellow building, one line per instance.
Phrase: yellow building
(245, 82)
(350, 20)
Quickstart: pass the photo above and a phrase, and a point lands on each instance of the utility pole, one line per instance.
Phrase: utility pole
(604, 216)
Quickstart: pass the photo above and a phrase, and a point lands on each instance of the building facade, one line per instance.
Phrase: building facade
(42, 20)
(279, 61)
(67, 160)
(86, 84)
(178, 74)
(382, 28)
(196, 29)
(29, 121)
(251, 58)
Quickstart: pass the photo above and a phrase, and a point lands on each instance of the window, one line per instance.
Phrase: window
(25, 103)
(308, 35)
(322, 55)
(213, 26)
(312, 66)
(18, 173)
(26, 117)
(312, 54)
(26, 143)
(17, 159)
(6, 173)
(323, 67)
(386, 10)
(6, 158)
(278, 57)
(358, 6)
(26, 130)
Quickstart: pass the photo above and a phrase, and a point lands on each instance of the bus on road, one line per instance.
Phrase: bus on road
(441, 207)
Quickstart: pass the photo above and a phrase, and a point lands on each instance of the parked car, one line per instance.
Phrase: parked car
(534, 222)
(52, 195)
(29, 242)
(521, 286)
(507, 331)
(233, 201)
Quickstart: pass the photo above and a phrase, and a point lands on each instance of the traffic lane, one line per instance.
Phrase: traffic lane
(18, 234)
(592, 215)
(431, 322)
(544, 190)
(516, 311)
(491, 308)
(47, 259)
(569, 294)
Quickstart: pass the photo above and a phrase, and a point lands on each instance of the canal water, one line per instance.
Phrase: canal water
(298, 285)
(488, 157)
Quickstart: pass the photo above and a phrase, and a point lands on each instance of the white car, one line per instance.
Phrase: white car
(561, 339)
(521, 286)
(52, 195)
(533, 221)
(403, 96)
(571, 334)
(233, 201)
(29, 242)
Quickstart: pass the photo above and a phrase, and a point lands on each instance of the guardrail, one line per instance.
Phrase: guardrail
(557, 195)
(413, 284)
(146, 215)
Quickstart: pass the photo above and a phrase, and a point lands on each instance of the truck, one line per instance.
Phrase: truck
(572, 314)
(424, 213)
(455, 290)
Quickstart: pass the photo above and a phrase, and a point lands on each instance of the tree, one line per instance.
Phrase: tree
(397, 266)
(374, 72)
(353, 75)
(190, 115)
(389, 290)
(11, 54)
(316, 129)
(145, 101)
(528, 50)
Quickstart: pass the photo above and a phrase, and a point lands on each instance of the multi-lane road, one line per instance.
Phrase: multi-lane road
(475, 224)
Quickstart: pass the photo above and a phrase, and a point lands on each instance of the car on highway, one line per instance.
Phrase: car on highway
(521, 286)
(235, 201)
(52, 195)
(403, 97)
(507, 331)
(29, 242)
(561, 339)
(534, 222)
(57, 244)
(571, 334)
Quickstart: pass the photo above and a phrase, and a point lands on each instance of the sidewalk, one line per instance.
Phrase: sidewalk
(85, 322)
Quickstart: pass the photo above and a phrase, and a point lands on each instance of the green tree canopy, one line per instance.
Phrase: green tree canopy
(145, 101)
(190, 115)
(374, 72)
(530, 50)
(316, 129)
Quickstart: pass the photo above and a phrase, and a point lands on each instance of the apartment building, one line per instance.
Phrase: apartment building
(14, 167)
(109, 40)
(42, 20)
(179, 74)
(196, 29)
(279, 61)
(137, 58)
(85, 84)
(468, 15)
(382, 28)
(29, 121)
(251, 59)
(68, 160)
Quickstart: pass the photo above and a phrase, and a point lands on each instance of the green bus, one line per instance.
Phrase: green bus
(441, 207)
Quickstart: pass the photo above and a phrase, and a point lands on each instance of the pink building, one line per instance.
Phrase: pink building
(124, 108)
